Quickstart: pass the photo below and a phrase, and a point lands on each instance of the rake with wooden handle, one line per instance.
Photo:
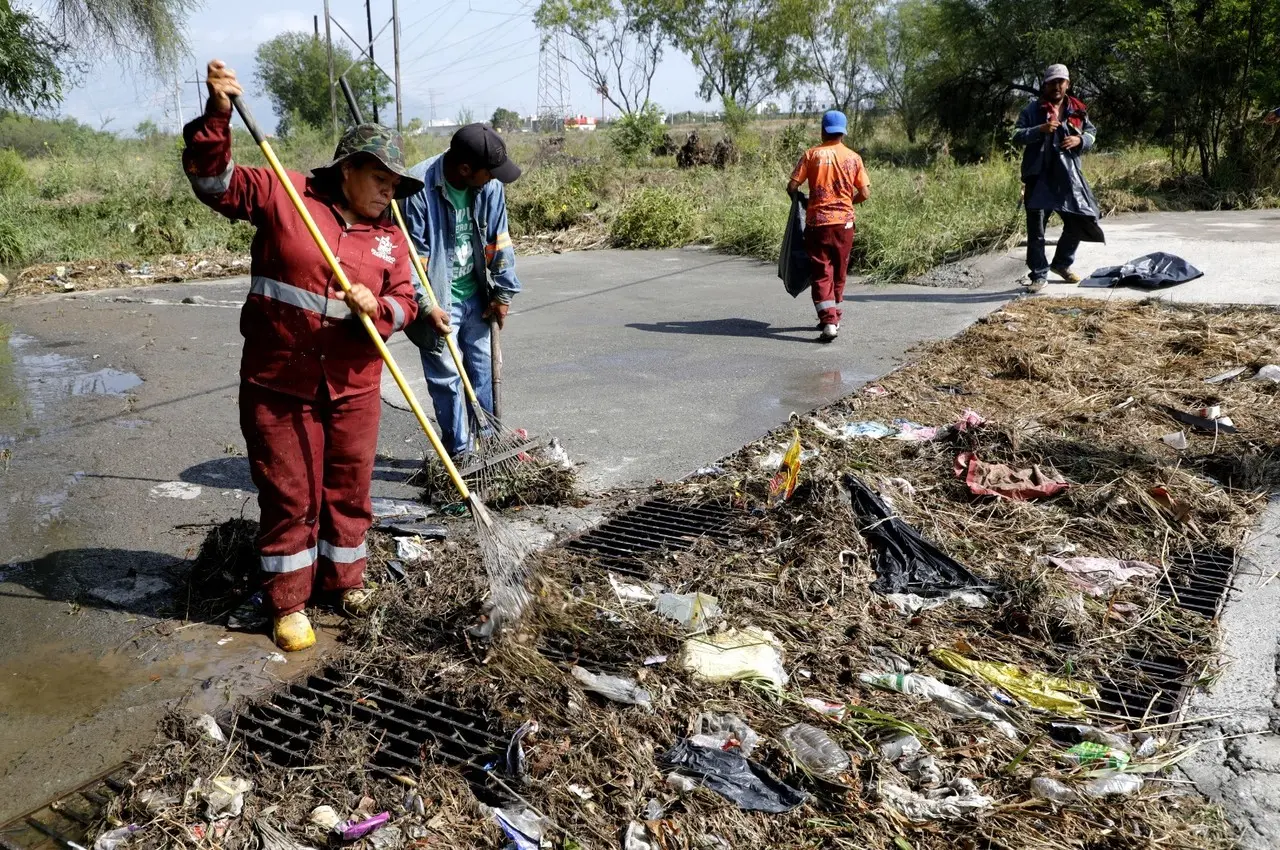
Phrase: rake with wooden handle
(499, 449)
(502, 551)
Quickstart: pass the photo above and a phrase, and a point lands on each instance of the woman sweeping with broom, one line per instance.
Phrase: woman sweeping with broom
(309, 375)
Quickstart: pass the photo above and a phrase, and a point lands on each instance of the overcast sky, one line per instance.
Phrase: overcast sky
(480, 54)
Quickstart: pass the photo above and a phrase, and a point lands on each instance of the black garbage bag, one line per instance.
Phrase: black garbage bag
(793, 260)
(1151, 271)
(735, 777)
(904, 561)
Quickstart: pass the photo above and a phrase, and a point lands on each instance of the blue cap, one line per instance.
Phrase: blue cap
(834, 122)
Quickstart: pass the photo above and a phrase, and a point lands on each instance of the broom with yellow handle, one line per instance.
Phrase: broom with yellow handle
(504, 449)
(501, 550)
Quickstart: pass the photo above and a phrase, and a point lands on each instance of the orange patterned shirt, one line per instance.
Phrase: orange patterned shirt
(836, 177)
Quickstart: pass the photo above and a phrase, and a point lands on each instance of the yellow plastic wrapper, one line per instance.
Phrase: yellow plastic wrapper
(784, 483)
(1032, 688)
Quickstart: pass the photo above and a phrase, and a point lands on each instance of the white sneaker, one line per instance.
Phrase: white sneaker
(829, 332)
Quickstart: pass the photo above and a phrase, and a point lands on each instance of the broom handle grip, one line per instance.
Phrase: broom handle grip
(495, 357)
(247, 117)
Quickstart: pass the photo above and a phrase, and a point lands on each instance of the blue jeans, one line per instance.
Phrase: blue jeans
(471, 332)
(1063, 257)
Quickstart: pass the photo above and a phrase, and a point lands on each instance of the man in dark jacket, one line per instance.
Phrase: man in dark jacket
(1054, 131)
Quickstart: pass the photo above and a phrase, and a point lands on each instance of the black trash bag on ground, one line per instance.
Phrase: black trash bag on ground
(1151, 271)
(735, 777)
(904, 561)
(793, 260)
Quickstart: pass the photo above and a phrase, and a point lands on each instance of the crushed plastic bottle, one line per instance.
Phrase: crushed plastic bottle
(614, 688)
(1146, 745)
(903, 745)
(815, 749)
(1113, 785)
(1052, 790)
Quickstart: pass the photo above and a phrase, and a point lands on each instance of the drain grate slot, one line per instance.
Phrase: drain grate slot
(285, 728)
(66, 821)
(1199, 581)
(653, 526)
(1143, 689)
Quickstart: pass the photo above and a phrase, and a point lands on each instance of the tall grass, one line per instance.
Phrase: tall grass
(75, 196)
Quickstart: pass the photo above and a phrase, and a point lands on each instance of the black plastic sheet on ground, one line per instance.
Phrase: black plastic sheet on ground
(904, 561)
(735, 777)
(1150, 271)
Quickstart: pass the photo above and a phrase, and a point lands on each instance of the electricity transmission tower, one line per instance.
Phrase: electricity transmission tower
(553, 83)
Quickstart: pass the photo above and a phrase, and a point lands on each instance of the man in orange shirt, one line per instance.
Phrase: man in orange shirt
(837, 180)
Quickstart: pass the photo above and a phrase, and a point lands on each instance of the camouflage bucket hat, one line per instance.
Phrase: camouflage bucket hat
(381, 143)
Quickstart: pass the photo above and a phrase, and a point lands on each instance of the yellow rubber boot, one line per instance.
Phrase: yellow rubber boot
(293, 632)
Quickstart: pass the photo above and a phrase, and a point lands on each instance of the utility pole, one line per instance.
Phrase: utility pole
(315, 21)
(333, 94)
(177, 104)
(368, 16)
(395, 33)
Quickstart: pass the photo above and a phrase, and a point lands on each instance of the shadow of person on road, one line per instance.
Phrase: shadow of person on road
(226, 473)
(148, 584)
(731, 327)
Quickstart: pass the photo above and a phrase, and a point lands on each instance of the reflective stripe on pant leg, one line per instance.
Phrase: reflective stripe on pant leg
(288, 563)
(351, 439)
(343, 554)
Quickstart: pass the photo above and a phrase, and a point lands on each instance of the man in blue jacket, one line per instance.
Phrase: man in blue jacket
(459, 224)
(1054, 130)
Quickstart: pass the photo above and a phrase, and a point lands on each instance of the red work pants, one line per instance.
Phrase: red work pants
(828, 247)
(312, 462)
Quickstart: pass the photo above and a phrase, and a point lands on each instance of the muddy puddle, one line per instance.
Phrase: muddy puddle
(33, 381)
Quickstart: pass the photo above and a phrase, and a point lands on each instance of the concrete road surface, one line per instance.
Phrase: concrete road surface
(118, 421)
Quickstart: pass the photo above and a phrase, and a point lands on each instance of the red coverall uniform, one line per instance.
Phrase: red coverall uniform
(309, 374)
(837, 180)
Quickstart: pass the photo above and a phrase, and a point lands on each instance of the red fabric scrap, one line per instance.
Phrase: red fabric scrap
(998, 479)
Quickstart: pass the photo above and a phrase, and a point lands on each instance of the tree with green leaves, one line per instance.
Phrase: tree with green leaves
(293, 68)
(505, 120)
(903, 38)
(745, 50)
(37, 55)
(618, 46)
(838, 39)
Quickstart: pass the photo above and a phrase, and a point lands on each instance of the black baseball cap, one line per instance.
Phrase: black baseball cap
(480, 147)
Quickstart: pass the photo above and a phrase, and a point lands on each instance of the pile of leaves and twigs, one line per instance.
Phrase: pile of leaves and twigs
(921, 741)
(542, 476)
(87, 275)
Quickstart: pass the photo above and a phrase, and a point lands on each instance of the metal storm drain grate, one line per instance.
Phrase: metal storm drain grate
(652, 526)
(1199, 581)
(67, 821)
(1145, 689)
(284, 728)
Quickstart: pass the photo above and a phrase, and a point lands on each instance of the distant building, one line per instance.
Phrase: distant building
(585, 123)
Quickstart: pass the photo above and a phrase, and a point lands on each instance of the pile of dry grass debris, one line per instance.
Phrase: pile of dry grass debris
(917, 744)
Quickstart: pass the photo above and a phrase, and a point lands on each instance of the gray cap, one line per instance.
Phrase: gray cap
(1056, 72)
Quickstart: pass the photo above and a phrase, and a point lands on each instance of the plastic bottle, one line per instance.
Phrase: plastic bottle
(1095, 755)
(1052, 790)
(814, 749)
(1113, 784)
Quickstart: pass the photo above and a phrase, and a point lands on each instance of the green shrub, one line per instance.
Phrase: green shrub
(549, 199)
(636, 135)
(655, 218)
(793, 141)
(13, 172)
(58, 180)
(12, 246)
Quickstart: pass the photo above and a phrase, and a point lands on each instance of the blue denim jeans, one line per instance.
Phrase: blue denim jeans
(471, 332)
(1063, 257)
